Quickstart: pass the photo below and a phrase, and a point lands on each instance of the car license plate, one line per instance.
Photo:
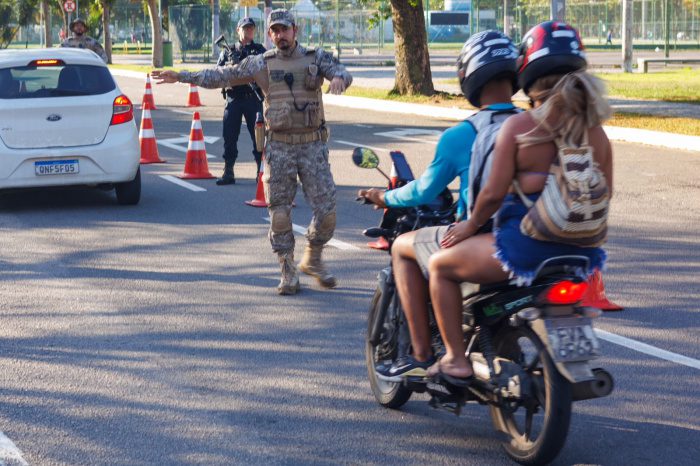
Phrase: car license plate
(56, 167)
(572, 339)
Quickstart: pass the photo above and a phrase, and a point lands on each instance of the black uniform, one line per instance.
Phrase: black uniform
(241, 101)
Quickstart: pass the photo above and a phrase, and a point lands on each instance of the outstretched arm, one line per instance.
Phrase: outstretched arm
(228, 76)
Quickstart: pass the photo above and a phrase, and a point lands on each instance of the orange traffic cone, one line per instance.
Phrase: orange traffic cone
(259, 200)
(196, 165)
(147, 138)
(393, 184)
(193, 97)
(595, 294)
(148, 95)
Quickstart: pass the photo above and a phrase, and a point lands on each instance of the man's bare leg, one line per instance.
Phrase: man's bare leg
(413, 292)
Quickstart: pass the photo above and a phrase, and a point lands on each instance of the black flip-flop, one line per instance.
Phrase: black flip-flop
(459, 382)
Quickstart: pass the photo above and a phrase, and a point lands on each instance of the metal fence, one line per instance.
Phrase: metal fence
(344, 24)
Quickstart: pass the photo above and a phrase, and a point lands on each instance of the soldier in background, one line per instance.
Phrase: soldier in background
(241, 101)
(80, 41)
(290, 76)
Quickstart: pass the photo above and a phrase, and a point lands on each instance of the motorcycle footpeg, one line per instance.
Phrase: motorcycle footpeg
(416, 384)
(452, 403)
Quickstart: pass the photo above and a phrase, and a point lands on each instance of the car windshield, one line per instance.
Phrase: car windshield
(27, 82)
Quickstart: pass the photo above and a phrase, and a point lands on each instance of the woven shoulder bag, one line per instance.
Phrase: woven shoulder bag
(573, 207)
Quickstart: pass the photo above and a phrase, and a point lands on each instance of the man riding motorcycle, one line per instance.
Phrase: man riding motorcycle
(486, 68)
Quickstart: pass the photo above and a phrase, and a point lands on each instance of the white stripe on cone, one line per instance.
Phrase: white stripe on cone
(196, 145)
(147, 134)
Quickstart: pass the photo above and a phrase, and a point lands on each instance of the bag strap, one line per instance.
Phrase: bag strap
(526, 201)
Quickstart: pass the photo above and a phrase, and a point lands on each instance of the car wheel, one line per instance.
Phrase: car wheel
(129, 193)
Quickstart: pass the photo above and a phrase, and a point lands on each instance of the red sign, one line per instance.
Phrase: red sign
(69, 6)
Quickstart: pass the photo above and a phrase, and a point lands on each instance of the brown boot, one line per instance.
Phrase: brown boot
(289, 284)
(311, 265)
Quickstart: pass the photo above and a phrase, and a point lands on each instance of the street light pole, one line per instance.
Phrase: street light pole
(667, 23)
(337, 27)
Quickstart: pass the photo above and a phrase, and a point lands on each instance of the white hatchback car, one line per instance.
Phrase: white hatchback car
(64, 121)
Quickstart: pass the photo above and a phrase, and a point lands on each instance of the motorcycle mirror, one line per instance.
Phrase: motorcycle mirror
(365, 158)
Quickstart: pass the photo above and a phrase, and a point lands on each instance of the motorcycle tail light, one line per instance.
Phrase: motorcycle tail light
(565, 292)
(122, 111)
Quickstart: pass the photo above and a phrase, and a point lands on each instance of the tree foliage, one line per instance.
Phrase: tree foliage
(15, 14)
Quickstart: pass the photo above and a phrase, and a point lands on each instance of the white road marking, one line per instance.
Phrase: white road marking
(184, 184)
(408, 133)
(185, 112)
(175, 143)
(362, 126)
(647, 349)
(357, 144)
(343, 246)
(9, 453)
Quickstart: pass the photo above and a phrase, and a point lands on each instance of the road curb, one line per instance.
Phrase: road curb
(615, 133)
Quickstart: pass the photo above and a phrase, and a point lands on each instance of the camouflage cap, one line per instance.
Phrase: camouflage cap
(76, 21)
(280, 16)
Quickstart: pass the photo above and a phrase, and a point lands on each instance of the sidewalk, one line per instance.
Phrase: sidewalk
(382, 77)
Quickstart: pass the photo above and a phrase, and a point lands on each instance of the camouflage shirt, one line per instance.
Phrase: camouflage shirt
(254, 68)
(86, 42)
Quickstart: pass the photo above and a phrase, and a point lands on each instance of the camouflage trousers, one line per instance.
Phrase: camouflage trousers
(309, 162)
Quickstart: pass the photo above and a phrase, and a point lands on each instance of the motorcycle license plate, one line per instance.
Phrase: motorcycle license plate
(572, 339)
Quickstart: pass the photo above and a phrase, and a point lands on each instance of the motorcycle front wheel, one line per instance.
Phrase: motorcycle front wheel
(388, 394)
(539, 424)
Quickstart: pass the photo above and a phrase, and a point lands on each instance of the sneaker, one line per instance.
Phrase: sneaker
(406, 366)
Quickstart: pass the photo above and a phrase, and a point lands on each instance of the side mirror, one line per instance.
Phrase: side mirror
(365, 158)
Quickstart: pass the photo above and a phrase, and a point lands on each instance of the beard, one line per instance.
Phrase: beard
(283, 44)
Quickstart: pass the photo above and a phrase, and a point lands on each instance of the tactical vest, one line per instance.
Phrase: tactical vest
(486, 123)
(299, 109)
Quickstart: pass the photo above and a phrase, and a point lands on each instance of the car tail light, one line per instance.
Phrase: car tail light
(47, 62)
(122, 111)
(565, 292)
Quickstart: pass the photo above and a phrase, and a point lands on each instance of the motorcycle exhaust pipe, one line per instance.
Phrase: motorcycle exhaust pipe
(602, 385)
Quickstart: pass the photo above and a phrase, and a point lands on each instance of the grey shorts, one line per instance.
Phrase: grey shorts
(426, 243)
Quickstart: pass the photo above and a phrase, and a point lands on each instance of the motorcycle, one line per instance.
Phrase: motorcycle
(530, 347)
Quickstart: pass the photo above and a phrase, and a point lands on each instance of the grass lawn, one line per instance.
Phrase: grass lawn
(670, 86)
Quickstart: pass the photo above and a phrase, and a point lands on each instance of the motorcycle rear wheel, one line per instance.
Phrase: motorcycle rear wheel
(538, 427)
(391, 395)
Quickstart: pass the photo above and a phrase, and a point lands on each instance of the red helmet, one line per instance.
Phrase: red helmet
(549, 48)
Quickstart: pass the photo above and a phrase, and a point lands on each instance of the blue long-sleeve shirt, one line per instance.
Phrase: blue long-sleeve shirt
(453, 155)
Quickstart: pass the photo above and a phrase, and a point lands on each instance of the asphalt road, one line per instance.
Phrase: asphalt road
(153, 334)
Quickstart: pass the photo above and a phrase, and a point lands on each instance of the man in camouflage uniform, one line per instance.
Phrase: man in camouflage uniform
(290, 76)
(80, 41)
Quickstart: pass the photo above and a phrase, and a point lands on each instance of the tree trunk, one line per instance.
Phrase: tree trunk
(46, 11)
(627, 15)
(106, 13)
(156, 34)
(215, 12)
(413, 74)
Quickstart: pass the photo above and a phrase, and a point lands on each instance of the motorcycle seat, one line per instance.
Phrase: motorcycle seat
(554, 266)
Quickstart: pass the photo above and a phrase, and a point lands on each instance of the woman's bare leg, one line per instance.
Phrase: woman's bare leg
(472, 261)
(413, 292)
